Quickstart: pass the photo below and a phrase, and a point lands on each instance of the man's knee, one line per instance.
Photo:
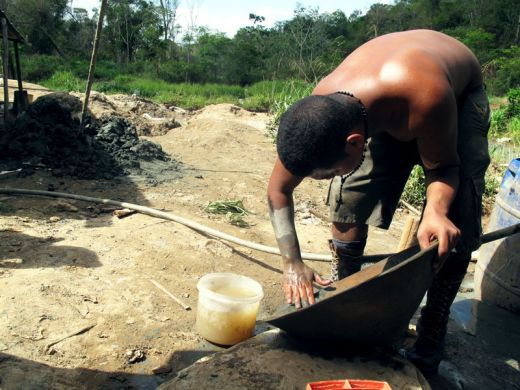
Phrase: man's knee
(349, 231)
(455, 266)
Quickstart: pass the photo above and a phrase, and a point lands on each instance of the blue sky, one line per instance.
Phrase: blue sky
(229, 15)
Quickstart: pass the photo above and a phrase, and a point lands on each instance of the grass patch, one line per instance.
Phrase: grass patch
(65, 81)
(187, 96)
(234, 211)
(283, 95)
(265, 96)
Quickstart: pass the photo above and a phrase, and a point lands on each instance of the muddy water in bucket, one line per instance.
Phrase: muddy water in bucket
(227, 307)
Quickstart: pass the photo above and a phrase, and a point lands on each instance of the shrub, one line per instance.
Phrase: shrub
(39, 67)
(505, 121)
(415, 191)
(513, 107)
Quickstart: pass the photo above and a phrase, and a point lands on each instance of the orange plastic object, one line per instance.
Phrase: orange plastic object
(342, 384)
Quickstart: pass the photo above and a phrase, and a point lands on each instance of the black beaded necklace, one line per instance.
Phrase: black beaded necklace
(365, 120)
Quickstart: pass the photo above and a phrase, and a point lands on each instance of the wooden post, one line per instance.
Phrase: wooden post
(409, 234)
(5, 65)
(18, 67)
(93, 61)
(21, 98)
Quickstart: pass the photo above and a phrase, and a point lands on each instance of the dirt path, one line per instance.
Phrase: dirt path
(70, 266)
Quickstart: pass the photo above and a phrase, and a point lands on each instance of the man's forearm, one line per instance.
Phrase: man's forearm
(282, 220)
(441, 188)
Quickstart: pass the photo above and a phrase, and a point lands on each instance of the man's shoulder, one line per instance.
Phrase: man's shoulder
(419, 88)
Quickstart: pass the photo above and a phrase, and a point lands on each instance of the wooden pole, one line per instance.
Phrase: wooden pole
(5, 65)
(409, 234)
(18, 67)
(93, 60)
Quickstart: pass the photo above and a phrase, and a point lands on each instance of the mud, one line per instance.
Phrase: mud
(48, 135)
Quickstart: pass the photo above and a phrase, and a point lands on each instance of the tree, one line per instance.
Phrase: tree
(213, 56)
(133, 26)
(256, 19)
(41, 21)
(168, 13)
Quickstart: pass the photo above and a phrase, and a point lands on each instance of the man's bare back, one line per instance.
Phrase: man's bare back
(410, 82)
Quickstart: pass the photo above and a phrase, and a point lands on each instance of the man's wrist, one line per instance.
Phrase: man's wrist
(291, 261)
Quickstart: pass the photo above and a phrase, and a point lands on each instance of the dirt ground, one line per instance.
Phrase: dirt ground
(80, 307)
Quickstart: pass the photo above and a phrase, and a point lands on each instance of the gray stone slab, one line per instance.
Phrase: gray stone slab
(273, 360)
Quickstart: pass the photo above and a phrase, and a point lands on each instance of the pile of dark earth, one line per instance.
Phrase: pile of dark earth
(48, 135)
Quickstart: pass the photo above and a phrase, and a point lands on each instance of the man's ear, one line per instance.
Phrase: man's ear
(355, 140)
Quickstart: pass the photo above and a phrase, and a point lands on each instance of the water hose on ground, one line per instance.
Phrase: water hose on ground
(161, 214)
(172, 217)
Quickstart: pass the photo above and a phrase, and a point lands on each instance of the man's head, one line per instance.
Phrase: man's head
(321, 134)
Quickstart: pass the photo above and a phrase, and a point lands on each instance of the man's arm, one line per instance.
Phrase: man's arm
(437, 144)
(441, 188)
(297, 277)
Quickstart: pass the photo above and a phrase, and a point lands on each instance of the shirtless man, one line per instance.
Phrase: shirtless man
(406, 98)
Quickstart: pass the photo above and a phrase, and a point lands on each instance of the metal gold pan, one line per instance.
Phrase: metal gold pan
(373, 306)
(369, 308)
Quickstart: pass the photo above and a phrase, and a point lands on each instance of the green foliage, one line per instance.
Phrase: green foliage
(264, 95)
(503, 72)
(290, 92)
(513, 107)
(414, 191)
(39, 67)
(173, 71)
(65, 81)
(234, 211)
(195, 96)
(481, 42)
(505, 121)
(185, 95)
(493, 178)
(139, 38)
(105, 70)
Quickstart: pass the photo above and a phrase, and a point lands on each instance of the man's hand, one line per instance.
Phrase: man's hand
(297, 283)
(438, 226)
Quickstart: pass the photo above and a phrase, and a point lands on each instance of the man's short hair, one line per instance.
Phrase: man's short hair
(313, 131)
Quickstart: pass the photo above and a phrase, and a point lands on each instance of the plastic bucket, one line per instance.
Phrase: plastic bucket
(497, 272)
(227, 307)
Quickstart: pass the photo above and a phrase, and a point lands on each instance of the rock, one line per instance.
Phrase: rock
(135, 356)
(123, 213)
(255, 364)
(164, 369)
(65, 206)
